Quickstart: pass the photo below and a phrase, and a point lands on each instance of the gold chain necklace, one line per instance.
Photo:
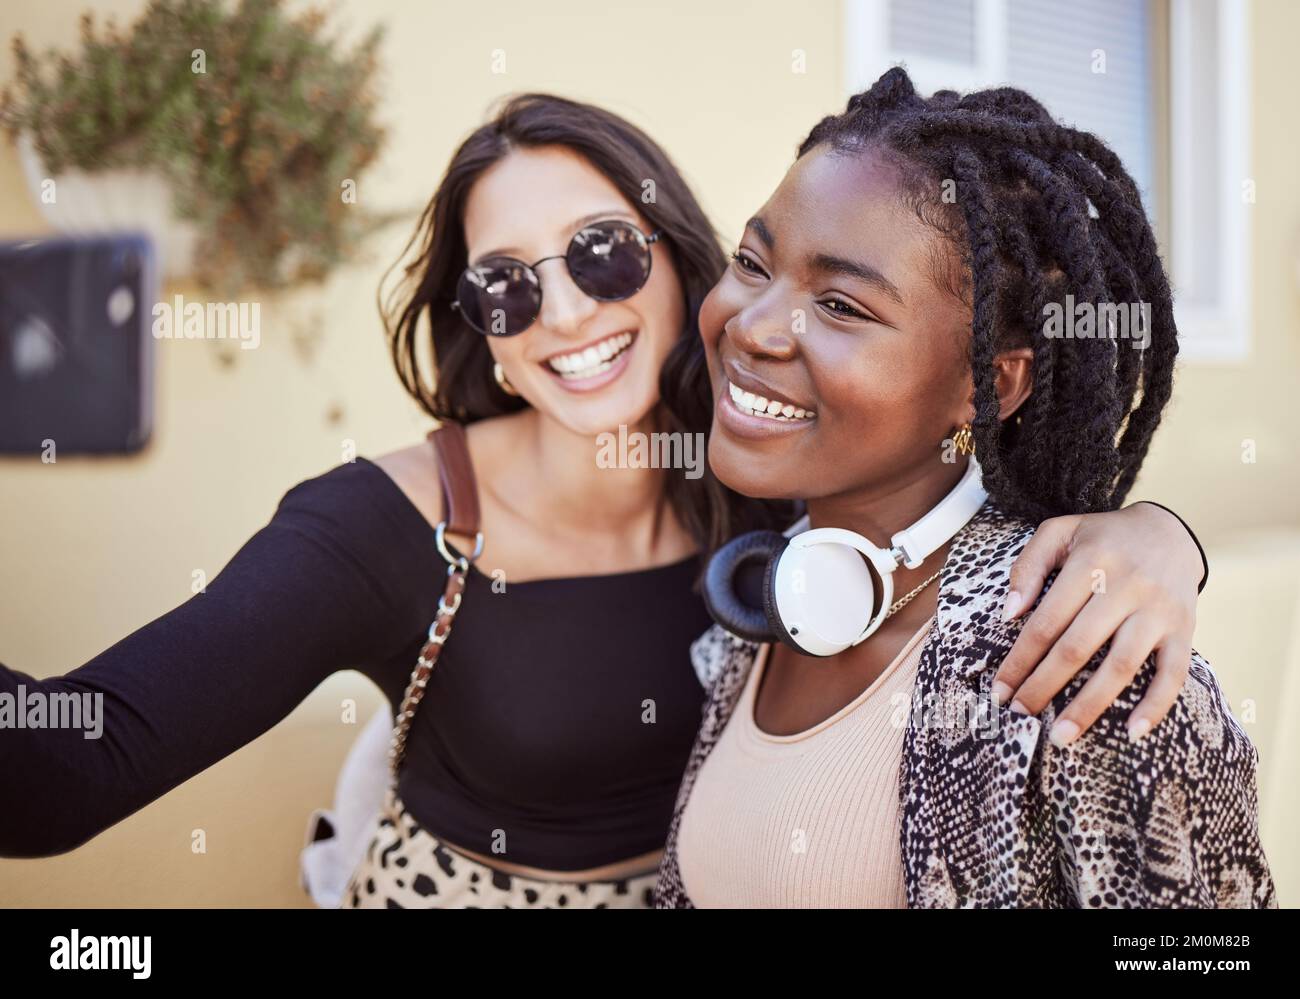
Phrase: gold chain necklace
(902, 602)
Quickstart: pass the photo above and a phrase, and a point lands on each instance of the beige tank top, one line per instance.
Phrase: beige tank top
(809, 820)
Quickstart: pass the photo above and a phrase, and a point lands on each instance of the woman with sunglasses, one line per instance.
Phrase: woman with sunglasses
(560, 266)
(853, 751)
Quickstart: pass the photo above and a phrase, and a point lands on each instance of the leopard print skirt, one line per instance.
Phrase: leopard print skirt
(406, 867)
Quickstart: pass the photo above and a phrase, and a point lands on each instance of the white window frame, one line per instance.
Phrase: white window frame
(1221, 332)
(867, 53)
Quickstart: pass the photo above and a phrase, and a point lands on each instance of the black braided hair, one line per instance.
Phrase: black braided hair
(1041, 211)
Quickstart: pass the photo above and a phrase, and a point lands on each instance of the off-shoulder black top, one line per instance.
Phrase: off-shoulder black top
(558, 720)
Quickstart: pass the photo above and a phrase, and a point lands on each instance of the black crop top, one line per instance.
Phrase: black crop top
(557, 722)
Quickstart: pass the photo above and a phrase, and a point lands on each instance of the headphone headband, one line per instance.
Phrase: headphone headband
(918, 542)
(817, 595)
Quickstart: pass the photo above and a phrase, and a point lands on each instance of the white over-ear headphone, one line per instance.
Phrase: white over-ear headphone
(819, 596)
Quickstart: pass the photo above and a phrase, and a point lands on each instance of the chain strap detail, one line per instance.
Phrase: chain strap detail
(448, 605)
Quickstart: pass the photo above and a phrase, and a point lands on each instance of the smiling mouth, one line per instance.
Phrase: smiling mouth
(771, 409)
(592, 361)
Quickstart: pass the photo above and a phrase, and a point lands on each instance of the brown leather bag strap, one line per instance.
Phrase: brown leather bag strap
(456, 472)
(460, 516)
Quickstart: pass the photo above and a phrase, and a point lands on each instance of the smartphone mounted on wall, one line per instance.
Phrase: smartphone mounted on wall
(76, 354)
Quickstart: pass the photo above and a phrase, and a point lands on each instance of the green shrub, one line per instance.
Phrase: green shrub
(257, 146)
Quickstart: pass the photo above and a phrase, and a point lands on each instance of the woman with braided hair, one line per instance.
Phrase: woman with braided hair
(920, 246)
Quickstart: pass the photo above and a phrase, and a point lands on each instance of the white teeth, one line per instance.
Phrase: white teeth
(772, 409)
(593, 360)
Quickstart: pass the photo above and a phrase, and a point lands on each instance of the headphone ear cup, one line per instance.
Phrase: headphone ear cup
(749, 554)
(773, 612)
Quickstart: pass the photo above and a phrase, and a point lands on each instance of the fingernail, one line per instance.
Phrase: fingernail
(1019, 708)
(1139, 728)
(1012, 606)
(1000, 693)
(1063, 733)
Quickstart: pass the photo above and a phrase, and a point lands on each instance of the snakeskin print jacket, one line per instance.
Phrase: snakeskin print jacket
(994, 815)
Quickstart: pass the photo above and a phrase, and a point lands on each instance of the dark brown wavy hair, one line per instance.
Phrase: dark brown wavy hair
(463, 389)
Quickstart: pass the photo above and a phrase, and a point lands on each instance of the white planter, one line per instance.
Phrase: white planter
(113, 201)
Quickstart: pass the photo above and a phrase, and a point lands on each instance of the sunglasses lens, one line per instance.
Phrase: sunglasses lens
(609, 260)
(499, 297)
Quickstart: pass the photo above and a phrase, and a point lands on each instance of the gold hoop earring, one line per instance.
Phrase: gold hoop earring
(499, 373)
(963, 440)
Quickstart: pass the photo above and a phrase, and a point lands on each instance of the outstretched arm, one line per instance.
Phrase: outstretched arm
(333, 581)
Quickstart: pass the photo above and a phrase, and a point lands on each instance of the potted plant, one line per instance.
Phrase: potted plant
(235, 133)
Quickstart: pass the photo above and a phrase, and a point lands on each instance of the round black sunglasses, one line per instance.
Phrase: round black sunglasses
(502, 296)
